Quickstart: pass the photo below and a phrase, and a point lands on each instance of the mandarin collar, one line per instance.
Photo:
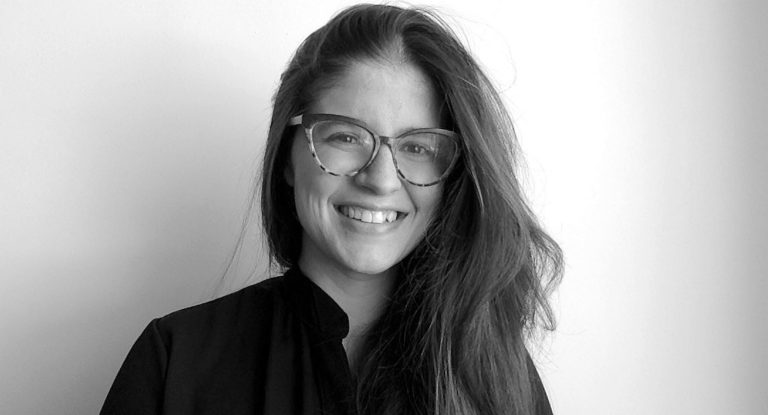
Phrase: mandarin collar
(314, 307)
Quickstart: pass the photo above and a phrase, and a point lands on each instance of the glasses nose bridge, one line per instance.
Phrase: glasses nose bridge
(383, 140)
(386, 141)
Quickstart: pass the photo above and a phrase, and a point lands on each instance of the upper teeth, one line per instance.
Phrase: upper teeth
(369, 216)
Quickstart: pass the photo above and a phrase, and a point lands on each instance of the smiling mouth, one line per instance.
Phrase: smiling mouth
(370, 216)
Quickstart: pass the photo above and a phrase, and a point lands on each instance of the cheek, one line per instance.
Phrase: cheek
(308, 195)
(428, 199)
(302, 176)
(312, 191)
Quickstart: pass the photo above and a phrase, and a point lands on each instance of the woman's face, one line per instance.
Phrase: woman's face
(390, 99)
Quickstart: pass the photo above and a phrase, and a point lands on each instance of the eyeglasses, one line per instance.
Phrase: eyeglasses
(345, 146)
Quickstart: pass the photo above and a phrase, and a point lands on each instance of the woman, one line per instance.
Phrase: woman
(415, 271)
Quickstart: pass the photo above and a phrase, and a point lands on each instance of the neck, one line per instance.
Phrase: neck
(363, 297)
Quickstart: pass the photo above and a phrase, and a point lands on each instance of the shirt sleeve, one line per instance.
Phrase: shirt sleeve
(138, 387)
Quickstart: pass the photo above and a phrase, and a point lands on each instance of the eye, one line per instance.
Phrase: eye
(340, 134)
(417, 149)
(343, 138)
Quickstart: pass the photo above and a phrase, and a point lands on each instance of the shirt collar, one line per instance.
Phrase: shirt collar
(314, 307)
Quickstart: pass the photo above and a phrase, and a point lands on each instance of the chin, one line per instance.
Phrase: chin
(371, 267)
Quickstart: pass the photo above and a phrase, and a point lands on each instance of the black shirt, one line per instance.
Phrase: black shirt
(271, 348)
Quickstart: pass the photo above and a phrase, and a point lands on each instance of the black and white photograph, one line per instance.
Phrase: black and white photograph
(450, 208)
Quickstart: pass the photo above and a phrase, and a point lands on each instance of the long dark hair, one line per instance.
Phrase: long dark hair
(452, 340)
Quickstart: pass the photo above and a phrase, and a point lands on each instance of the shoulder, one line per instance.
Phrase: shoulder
(211, 347)
(241, 313)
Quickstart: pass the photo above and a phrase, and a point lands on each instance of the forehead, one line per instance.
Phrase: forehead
(389, 97)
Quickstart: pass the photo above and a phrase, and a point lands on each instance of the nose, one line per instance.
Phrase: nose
(381, 175)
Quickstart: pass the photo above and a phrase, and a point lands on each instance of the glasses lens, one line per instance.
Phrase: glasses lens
(424, 157)
(341, 147)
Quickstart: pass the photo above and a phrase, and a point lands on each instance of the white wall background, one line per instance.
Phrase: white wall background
(129, 132)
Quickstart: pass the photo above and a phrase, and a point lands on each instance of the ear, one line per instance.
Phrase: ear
(288, 173)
